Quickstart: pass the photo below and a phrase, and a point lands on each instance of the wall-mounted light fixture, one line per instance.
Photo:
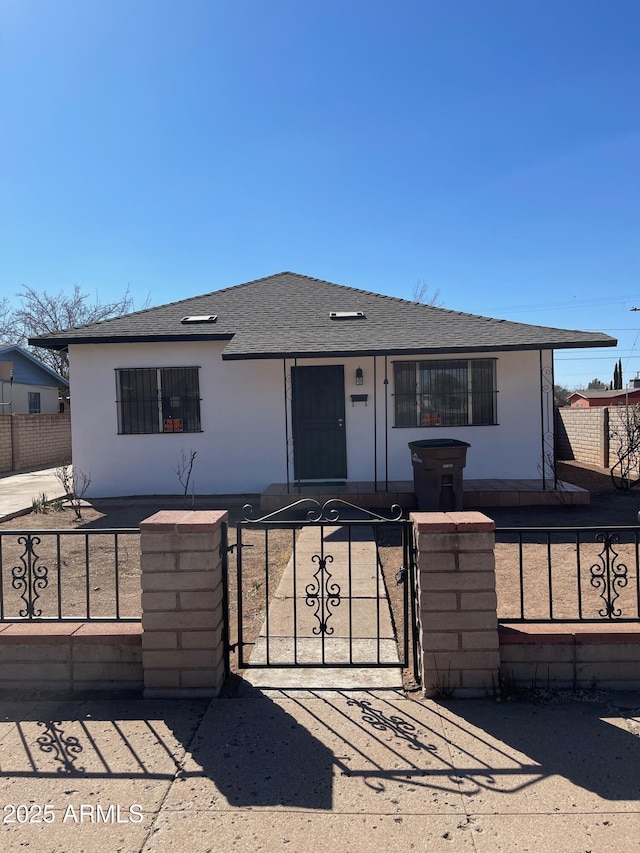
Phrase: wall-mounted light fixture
(359, 376)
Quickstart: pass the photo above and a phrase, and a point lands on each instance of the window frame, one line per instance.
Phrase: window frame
(147, 402)
(34, 402)
(412, 389)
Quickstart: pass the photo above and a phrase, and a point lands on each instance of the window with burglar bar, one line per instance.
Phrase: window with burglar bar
(158, 399)
(459, 392)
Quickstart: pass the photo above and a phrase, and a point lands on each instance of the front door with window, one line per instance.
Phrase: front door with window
(320, 447)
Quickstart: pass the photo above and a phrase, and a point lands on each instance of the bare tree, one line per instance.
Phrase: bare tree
(5, 320)
(184, 469)
(41, 313)
(624, 441)
(421, 294)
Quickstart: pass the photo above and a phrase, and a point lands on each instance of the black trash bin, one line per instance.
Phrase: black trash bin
(437, 473)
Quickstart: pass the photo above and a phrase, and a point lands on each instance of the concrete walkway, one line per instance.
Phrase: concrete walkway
(18, 490)
(339, 770)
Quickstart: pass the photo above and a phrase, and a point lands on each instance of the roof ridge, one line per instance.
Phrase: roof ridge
(387, 296)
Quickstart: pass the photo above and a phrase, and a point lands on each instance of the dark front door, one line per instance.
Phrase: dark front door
(320, 447)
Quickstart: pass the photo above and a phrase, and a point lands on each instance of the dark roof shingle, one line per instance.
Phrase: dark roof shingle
(288, 314)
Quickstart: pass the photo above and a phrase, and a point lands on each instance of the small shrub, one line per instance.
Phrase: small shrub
(40, 504)
(75, 483)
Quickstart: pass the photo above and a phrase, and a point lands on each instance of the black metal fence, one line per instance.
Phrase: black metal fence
(588, 574)
(70, 575)
(314, 591)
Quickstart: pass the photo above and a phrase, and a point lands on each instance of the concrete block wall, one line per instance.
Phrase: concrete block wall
(182, 603)
(34, 441)
(583, 434)
(571, 656)
(458, 628)
(70, 657)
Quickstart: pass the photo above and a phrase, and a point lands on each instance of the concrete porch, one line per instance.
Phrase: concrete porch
(477, 494)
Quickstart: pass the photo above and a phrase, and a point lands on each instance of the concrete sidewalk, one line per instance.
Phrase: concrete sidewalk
(18, 490)
(321, 770)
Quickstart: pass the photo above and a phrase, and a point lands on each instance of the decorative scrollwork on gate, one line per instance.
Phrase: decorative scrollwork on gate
(608, 575)
(329, 511)
(323, 594)
(30, 578)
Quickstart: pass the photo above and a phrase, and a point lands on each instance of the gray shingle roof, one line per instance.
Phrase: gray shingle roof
(288, 314)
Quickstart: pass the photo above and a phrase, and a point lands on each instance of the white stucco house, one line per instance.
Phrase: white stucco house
(291, 379)
(27, 386)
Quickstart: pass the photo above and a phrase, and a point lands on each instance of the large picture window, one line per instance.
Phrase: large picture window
(158, 399)
(445, 393)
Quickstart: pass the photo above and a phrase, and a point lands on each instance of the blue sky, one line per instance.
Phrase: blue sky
(486, 147)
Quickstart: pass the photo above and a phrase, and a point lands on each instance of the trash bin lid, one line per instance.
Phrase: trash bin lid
(439, 442)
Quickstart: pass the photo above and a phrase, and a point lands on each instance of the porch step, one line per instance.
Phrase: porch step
(477, 494)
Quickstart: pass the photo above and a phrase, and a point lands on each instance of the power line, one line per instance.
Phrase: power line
(574, 303)
(619, 354)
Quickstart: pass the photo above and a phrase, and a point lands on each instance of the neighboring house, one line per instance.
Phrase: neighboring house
(589, 399)
(27, 386)
(292, 379)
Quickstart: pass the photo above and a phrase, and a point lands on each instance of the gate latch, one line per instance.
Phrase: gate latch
(401, 574)
(231, 548)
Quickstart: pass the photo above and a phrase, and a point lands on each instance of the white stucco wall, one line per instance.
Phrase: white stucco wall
(242, 447)
(242, 417)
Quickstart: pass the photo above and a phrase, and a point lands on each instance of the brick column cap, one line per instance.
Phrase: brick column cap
(451, 522)
(185, 521)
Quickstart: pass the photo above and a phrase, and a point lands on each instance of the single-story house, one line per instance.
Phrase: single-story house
(290, 379)
(27, 386)
(591, 398)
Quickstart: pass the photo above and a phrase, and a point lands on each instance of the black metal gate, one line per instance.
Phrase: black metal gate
(323, 585)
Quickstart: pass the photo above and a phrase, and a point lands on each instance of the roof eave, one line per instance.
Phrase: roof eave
(247, 356)
(63, 343)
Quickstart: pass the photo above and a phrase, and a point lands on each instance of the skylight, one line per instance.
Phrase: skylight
(347, 315)
(200, 318)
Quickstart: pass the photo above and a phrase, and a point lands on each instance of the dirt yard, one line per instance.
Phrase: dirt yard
(81, 570)
(563, 574)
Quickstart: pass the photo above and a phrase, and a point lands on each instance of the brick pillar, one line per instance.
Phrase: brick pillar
(182, 610)
(460, 653)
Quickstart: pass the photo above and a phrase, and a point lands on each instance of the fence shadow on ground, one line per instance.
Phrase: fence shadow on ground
(370, 751)
(592, 745)
(245, 754)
